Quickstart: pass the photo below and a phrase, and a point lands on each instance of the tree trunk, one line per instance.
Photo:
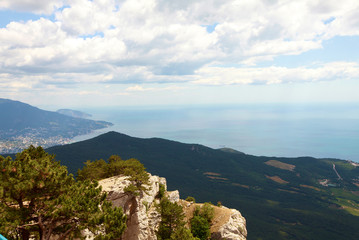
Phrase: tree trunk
(25, 234)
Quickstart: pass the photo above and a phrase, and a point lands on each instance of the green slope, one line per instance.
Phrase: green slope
(281, 198)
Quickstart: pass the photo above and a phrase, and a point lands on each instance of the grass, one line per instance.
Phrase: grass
(281, 165)
(277, 179)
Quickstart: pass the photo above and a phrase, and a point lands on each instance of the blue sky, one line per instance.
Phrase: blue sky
(74, 53)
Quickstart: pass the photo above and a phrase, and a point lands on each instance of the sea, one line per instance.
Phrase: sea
(280, 130)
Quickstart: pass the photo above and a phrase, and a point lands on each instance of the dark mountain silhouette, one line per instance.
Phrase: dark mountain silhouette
(19, 116)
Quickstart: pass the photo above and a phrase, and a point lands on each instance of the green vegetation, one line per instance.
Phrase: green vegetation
(200, 228)
(206, 211)
(100, 169)
(39, 199)
(190, 199)
(172, 225)
(201, 221)
(161, 191)
(302, 208)
(183, 233)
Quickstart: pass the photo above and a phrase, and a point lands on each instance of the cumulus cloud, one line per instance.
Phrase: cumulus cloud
(37, 6)
(159, 41)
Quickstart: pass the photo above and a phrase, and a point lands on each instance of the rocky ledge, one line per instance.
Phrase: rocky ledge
(143, 218)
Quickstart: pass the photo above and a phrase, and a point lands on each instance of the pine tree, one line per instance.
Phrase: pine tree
(201, 221)
(38, 198)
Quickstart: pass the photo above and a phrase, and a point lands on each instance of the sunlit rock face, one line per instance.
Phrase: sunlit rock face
(143, 219)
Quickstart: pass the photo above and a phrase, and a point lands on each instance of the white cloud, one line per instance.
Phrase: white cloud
(137, 88)
(35, 6)
(149, 41)
(85, 17)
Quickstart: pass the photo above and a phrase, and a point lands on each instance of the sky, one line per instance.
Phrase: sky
(75, 53)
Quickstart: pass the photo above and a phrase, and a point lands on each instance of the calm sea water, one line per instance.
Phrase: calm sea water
(268, 130)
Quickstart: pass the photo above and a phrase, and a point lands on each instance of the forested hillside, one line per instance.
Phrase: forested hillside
(281, 198)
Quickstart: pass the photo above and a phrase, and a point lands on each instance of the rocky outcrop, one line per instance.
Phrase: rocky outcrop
(226, 224)
(233, 229)
(143, 219)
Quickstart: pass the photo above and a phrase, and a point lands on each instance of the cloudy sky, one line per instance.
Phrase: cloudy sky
(70, 53)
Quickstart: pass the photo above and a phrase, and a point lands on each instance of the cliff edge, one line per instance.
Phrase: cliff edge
(143, 219)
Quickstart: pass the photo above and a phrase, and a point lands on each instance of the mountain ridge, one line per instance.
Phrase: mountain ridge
(277, 202)
(22, 124)
(74, 113)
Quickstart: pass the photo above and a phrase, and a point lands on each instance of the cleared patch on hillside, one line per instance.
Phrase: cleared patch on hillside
(221, 214)
(349, 206)
(281, 165)
(288, 191)
(311, 187)
(215, 176)
(212, 174)
(218, 178)
(240, 185)
(277, 179)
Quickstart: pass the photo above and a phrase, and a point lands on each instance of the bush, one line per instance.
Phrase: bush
(183, 233)
(161, 191)
(207, 212)
(93, 170)
(190, 199)
(100, 169)
(201, 221)
(200, 227)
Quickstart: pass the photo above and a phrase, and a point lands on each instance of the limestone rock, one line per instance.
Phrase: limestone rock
(173, 196)
(143, 219)
(234, 229)
(226, 224)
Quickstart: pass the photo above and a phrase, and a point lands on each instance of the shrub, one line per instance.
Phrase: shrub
(201, 221)
(99, 169)
(161, 191)
(200, 227)
(207, 212)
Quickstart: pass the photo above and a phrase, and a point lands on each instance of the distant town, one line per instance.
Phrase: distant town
(24, 125)
(18, 143)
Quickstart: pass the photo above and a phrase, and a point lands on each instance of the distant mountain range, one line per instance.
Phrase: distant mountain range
(22, 125)
(281, 198)
(73, 113)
